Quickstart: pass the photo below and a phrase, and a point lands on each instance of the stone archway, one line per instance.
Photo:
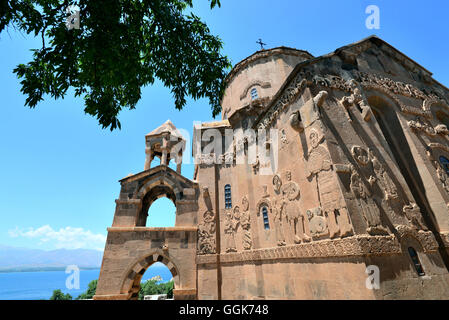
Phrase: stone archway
(133, 277)
(131, 247)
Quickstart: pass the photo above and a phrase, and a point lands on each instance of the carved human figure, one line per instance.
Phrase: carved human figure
(277, 183)
(369, 208)
(206, 234)
(293, 216)
(230, 228)
(320, 166)
(414, 215)
(279, 211)
(442, 175)
(384, 180)
(245, 222)
(360, 155)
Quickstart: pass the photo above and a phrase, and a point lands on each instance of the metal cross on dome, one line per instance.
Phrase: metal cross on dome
(261, 44)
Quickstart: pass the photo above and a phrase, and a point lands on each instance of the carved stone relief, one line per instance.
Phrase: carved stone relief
(442, 176)
(284, 139)
(414, 216)
(277, 183)
(424, 126)
(317, 223)
(231, 225)
(245, 222)
(206, 234)
(369, 208)
(293, 216)
(383, 178)
(278, 207)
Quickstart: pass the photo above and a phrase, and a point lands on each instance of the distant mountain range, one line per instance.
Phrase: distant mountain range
(13, 259)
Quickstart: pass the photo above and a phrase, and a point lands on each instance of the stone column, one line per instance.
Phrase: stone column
(148, 159)
(179, 162)
(164, 152)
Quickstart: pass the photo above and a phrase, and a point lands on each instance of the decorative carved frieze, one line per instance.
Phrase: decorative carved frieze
(424, 125)
(289, 95)
(358, 245)
(425, 238)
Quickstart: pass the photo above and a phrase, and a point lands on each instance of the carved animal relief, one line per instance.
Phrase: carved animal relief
(317, 223)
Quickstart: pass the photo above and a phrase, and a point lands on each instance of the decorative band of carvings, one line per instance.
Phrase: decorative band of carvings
(445, 237)
(147, 229)
(351, 246)
(367, 81)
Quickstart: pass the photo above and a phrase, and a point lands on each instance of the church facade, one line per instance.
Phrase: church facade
(353, 202)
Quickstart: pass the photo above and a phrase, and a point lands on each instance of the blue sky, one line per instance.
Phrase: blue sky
(60, 170)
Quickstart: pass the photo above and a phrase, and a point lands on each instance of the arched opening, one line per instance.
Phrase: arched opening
(254, 94)
(266, 223)
(153, 275)
(228, 196)
(162, 213)
(157, 283)
(416, 262)
(391, 128)
(386, 115)
(158, 208)
(443, 117)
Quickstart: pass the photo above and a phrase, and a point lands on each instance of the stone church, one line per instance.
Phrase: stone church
(356, 208)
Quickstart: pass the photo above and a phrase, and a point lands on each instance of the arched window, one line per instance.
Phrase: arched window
(444, 163)
(254, 94)
(228, 201)
(418, 267)
(266, 223)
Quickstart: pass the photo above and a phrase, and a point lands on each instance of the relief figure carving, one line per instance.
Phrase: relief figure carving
(245, 222)
(206, 234)
(231, 224)
(414, 216)
(369, 208)
(279, 212)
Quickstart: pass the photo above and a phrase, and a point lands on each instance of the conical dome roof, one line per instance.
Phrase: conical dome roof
(166, 127)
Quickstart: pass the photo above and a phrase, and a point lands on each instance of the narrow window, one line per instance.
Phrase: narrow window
(445, 163)
(228, 202)
(254, 94)
(418, 267)
(266, 223)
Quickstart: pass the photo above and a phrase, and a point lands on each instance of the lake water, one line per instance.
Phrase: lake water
(40, 285)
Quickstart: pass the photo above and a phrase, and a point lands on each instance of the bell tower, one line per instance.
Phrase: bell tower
(166, 143)
(131, 246)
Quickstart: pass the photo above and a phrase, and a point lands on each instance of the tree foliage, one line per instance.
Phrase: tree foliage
(121, 46)
(90, 292)
(153, 286)
(59, 295)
